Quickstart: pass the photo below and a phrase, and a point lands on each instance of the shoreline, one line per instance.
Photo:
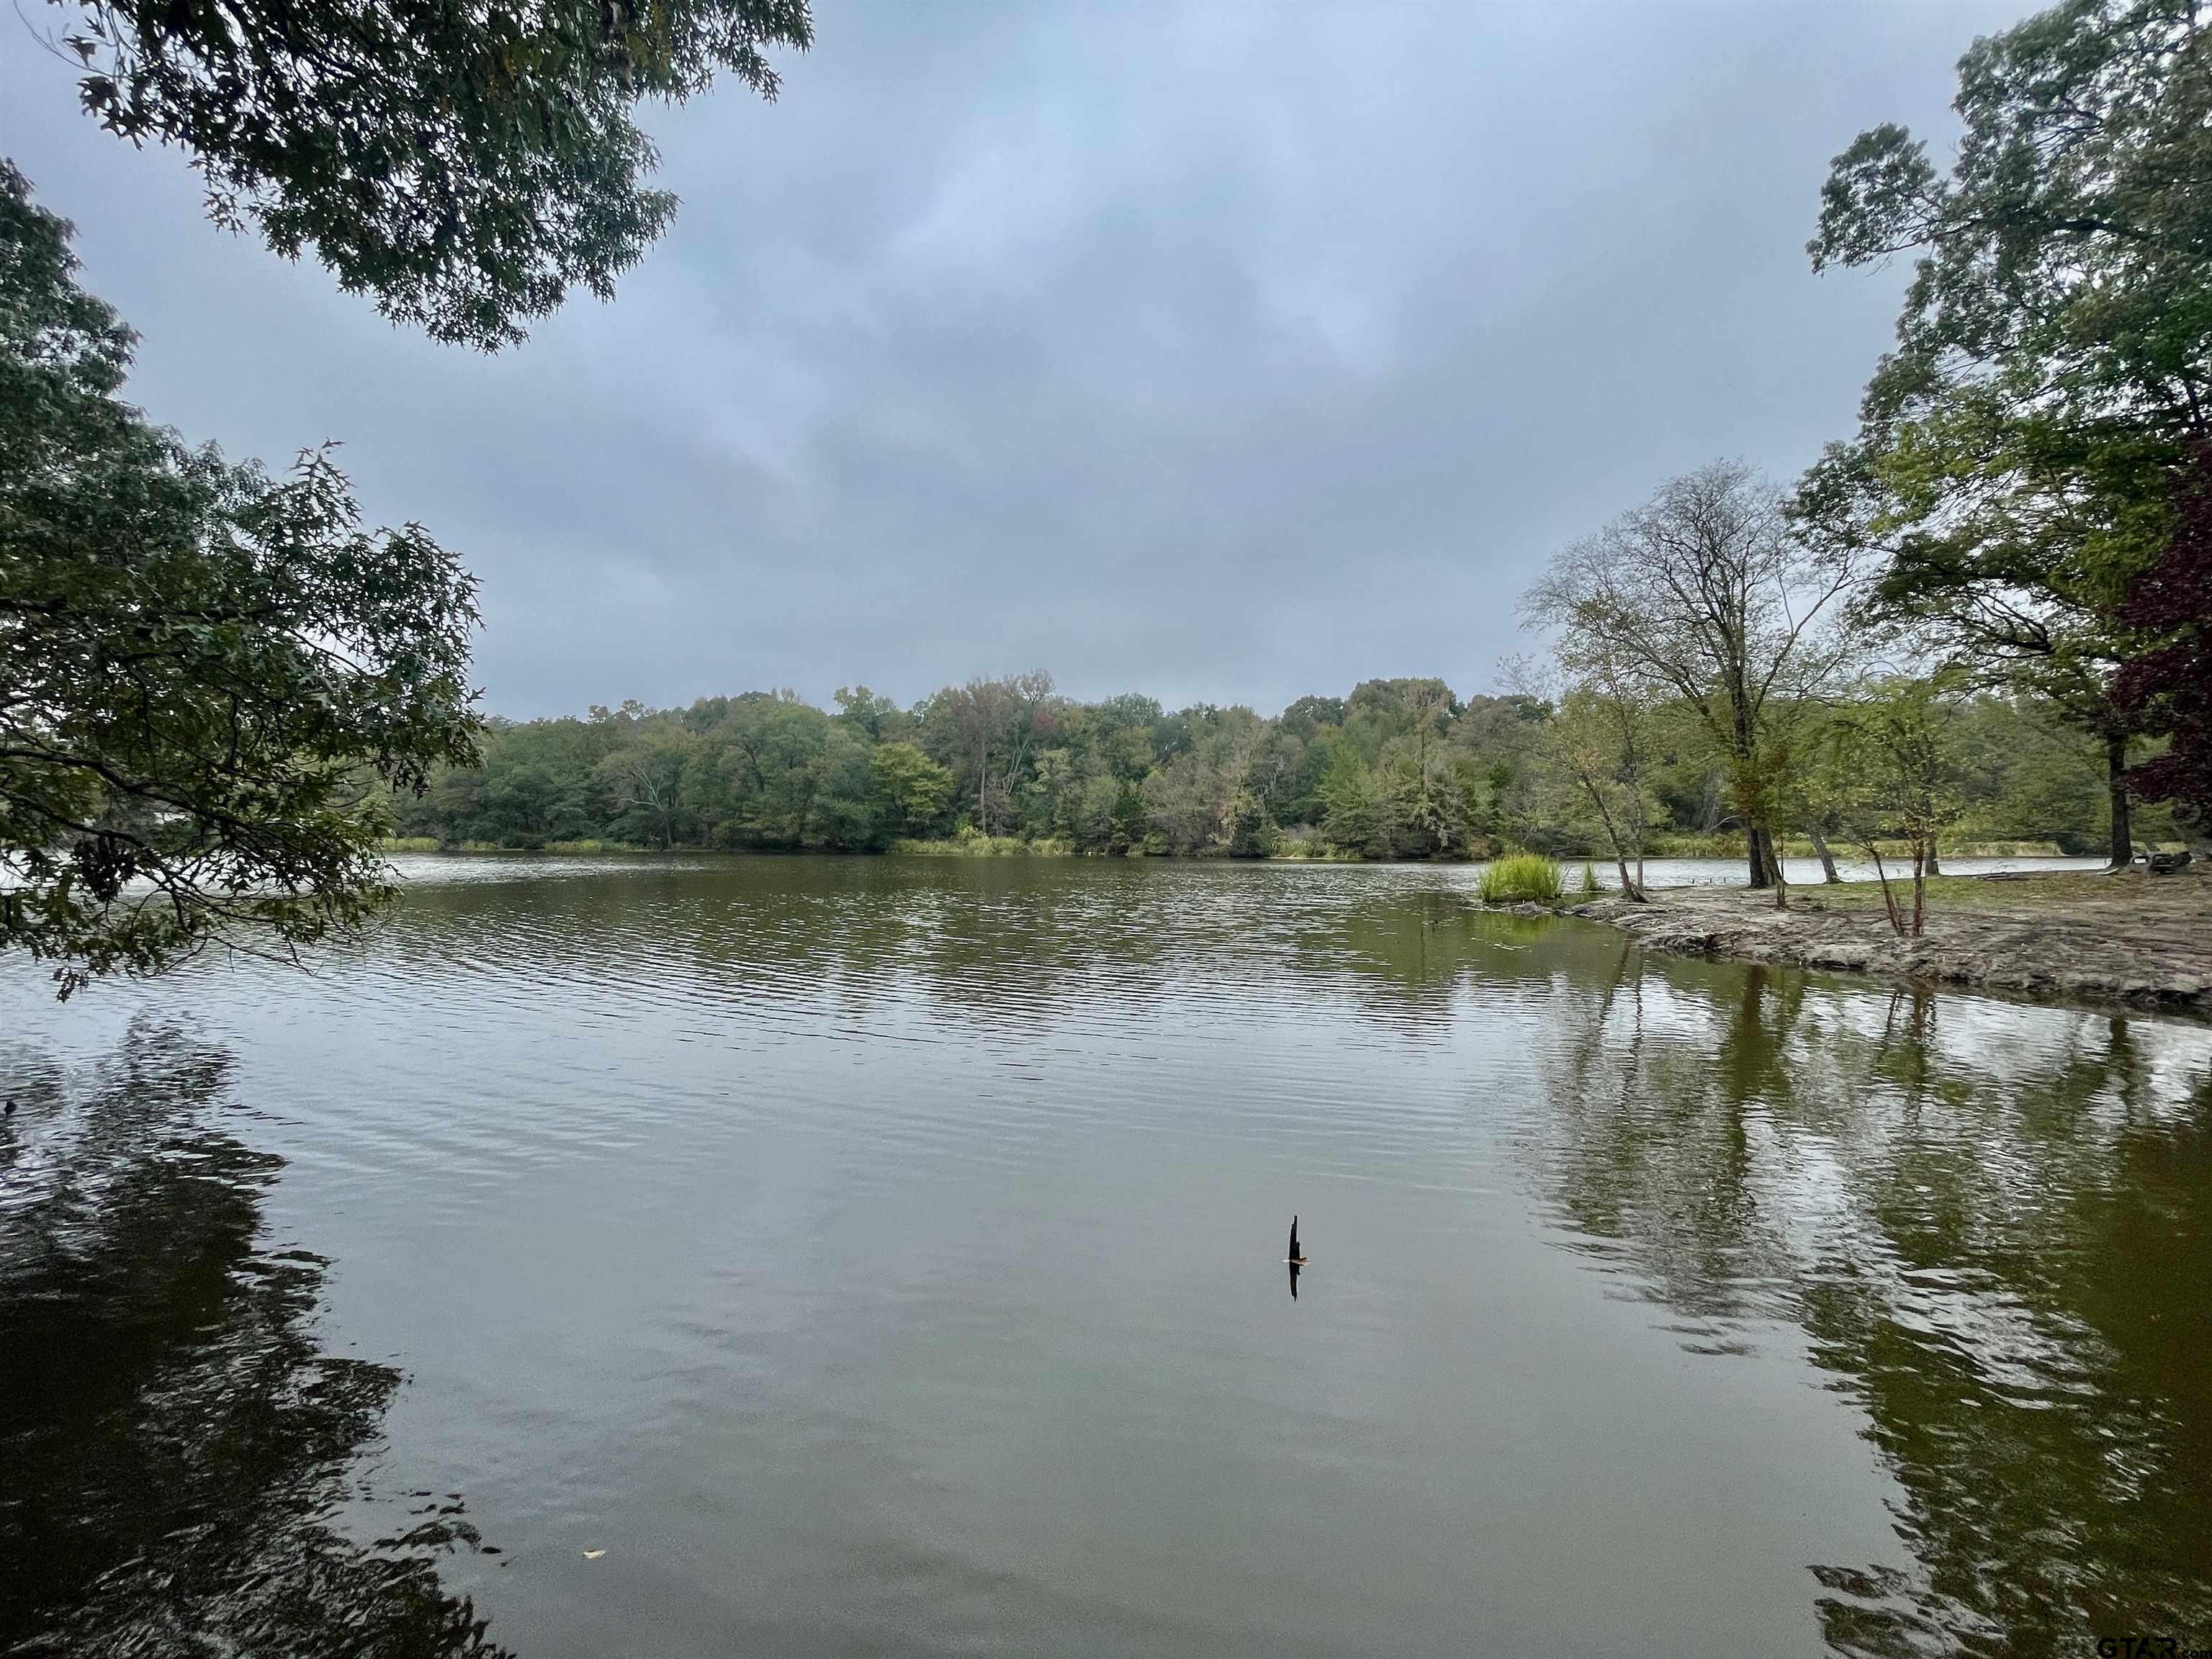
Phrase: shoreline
(1000, 847)
(2142, 940)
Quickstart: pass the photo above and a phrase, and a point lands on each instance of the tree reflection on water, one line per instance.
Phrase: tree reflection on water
(177, 1448)
(2002, 1249)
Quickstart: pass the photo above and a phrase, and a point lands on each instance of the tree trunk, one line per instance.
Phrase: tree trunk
(1888, 898)
(2116, 774)
(1759, 843)
(1633, 889)
(1934, 868)
(1827, 858)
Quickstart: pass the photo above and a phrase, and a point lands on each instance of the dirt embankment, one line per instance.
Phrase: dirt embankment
(2132, 938)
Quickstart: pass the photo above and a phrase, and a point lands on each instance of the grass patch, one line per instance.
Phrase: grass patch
(2057, 889)
(1796, 847)
(987, 847)
(1519, 878)
(408, 844)
(1304, 844)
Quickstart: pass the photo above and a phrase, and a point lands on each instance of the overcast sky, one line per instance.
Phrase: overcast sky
(1227, 351)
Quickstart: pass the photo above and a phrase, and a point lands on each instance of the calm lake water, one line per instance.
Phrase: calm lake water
(882, 1256)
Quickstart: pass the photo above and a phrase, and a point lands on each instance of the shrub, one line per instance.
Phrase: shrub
(1590, 881)
(1519, 876)
(968, 844)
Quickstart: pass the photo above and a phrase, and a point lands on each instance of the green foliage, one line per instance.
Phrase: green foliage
(1898, 773)
(914, 790)
(2050, 369)
(1595, 758)
(1590, 889)
(1520, 877)
(2065, 259)
(466, 166)
(1121, 776)
(968, 844)
(767, 771)
(1357, 812)
(205, 672)
(1250, 832)
(1704, 598)
(644, 780)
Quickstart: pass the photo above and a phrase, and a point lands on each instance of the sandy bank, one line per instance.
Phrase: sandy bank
(2146, 940)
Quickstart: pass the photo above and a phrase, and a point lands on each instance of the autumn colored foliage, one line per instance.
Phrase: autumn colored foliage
(2171, 683)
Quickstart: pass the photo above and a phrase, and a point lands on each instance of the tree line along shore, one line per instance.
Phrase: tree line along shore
(1396, 769)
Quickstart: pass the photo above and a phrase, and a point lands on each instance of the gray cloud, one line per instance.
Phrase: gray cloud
(1227, 351)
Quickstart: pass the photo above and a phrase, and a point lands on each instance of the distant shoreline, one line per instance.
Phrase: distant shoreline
(1292, 852)
(2142, 940)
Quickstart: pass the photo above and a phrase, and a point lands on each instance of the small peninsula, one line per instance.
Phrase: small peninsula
(2123, 937)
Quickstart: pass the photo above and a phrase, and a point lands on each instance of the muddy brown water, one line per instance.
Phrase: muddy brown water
(884, 1256)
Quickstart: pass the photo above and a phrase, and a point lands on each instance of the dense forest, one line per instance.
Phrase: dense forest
(1400, 768)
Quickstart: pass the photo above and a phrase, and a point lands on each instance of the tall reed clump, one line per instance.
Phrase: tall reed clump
(1590, 889)
(1521, 876)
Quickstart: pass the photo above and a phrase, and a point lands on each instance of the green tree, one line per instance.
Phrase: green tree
(844, 813)
(1185, 802)
(874, 717)
(1357, 812)
(2054, 352)
(987, 730)
(762, 770)
(209, 676)
(1427, 804)
(1095, 818)
(914, 789)
(1703, 594)
(645, 779)
(1894, 747)
(465, 165)
(1813, 797)
(1596, 752)
(1249, 831)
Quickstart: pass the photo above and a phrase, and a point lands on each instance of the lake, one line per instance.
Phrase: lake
(888, 1256)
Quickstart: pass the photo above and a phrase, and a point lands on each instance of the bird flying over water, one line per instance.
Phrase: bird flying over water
(1297, 1257)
